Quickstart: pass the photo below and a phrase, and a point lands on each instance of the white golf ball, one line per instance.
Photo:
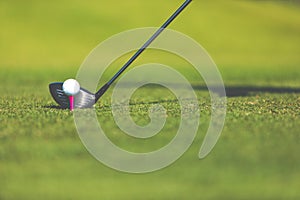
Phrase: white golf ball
(71, 87)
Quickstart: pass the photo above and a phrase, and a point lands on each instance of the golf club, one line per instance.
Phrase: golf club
(86, 99)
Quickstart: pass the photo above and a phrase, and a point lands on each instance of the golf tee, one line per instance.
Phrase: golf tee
(71, 99)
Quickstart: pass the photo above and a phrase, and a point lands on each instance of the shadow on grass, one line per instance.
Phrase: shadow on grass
(242, 91)
(233, 91)
(54, 107)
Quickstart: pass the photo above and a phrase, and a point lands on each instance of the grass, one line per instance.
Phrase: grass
(255, 45)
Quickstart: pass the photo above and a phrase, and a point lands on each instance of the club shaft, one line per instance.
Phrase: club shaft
(156, 34)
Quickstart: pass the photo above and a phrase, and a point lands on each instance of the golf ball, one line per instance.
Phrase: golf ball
(71, 87)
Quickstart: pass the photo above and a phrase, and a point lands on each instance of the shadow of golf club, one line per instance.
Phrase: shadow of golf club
(54, 107)
(232, 91)
(243, 91)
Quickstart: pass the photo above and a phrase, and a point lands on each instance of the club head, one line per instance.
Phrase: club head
(84, 99)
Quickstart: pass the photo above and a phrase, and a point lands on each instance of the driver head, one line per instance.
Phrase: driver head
(83, 99)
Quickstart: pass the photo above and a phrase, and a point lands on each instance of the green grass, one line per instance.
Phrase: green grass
(256, 47)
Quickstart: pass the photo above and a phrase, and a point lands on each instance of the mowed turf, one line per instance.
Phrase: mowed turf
(256, 47)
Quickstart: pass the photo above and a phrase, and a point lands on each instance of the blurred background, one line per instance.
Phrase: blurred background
(42, 34)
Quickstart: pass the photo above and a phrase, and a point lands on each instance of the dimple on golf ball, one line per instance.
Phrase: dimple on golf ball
(71, 87)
